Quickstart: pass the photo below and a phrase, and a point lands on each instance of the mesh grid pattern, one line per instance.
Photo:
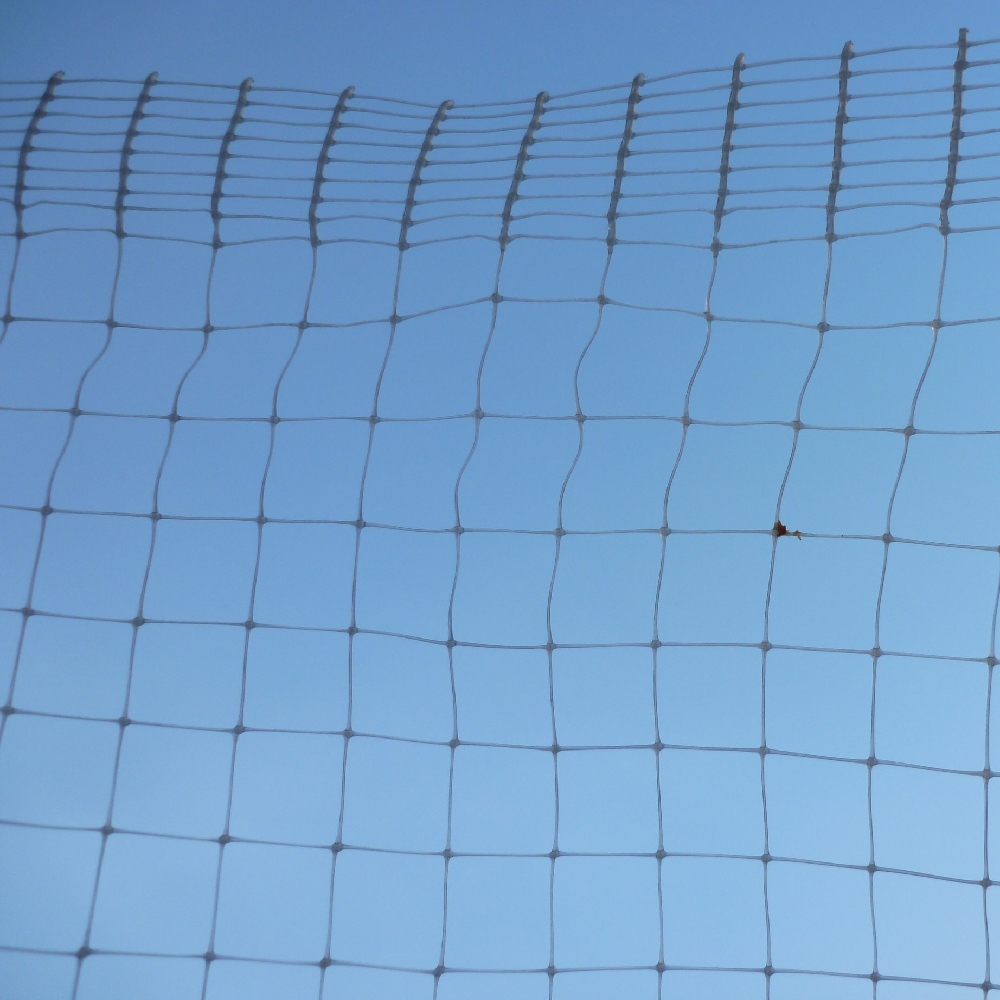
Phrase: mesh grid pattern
(546, 489)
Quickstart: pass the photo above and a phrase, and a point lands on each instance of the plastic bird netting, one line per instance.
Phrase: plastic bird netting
(542, 550)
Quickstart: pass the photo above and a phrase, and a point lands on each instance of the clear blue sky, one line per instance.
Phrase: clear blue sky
(735, 890)
(467, 51)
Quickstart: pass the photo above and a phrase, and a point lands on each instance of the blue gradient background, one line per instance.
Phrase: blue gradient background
(156, 892)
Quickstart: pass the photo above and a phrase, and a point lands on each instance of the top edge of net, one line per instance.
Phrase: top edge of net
(525, 101)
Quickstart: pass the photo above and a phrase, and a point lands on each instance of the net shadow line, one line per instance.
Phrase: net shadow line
(944, 228)
(513, 647)
(525, 300)
(716, 247)
(539, 213)
(665, 171)
(983, 547)
(656, 747)
(612, 216)
(670, 855)
(830, 236)
(257, 960)
(457, 198)
(430, 135)
(138, 114)
(260, 157)
(196, 418)
(991, 662)
(540, 237)
(527, 141)
(552, 197)
(324, 111)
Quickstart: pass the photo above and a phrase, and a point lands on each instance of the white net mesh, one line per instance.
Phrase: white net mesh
(539, 550)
